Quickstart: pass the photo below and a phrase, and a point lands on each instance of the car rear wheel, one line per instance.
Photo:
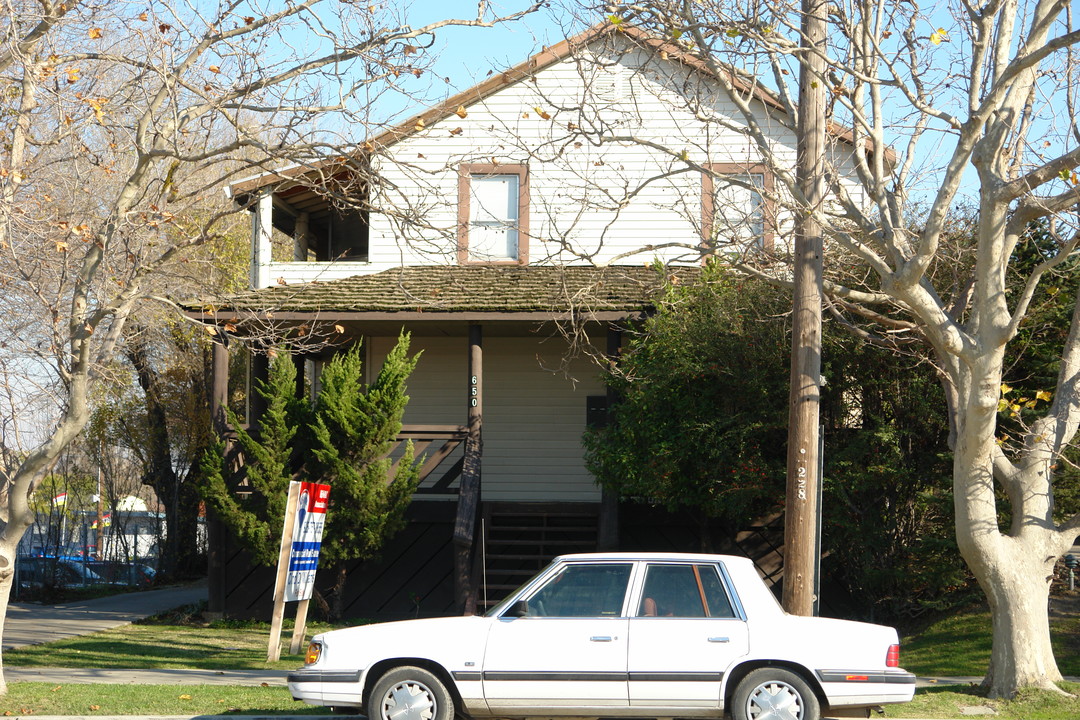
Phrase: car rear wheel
(774, 694)
(410, 693)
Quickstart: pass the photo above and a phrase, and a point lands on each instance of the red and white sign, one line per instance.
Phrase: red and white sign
(307, 534)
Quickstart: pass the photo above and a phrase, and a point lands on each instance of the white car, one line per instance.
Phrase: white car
(613, 635)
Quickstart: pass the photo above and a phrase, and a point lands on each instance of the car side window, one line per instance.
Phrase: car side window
(686, 591)
(582, 591)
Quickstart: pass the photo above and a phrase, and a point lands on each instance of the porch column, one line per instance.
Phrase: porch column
(300, 363)
(608, 523)
(260, 375)
(219, 386)
(300, 237)
(469, 493)
(262, 227)
(215, 532)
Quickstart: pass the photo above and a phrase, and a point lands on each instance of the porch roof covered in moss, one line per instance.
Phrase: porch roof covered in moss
(442, 294)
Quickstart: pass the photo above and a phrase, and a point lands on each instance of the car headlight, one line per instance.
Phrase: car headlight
(314, 652)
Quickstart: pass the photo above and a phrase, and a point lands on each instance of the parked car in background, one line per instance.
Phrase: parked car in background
(133, 574)
(53, 572)
(613, 635)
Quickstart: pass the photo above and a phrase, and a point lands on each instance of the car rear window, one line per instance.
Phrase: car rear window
(688, 591)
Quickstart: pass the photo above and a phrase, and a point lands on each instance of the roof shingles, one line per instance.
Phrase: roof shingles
(444, 289)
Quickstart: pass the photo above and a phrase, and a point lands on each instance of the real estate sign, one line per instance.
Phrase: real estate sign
(298, 558)
(308, 523)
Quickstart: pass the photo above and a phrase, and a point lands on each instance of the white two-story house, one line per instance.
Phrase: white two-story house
(514, 230)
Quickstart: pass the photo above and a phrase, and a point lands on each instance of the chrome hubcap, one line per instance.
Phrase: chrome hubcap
(408, 700)
(774, 701)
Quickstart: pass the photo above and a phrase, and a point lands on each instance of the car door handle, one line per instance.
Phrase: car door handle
(719, 639)
(601, 638)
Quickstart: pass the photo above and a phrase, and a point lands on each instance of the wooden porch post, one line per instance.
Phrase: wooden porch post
(219, 397)
(608, 522)
(300, 362)
(260, 373)
(469, 494)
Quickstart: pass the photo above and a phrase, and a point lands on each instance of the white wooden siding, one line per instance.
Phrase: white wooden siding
(533, 418)
(622, 202)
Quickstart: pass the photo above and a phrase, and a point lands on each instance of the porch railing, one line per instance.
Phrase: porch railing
(441, 444)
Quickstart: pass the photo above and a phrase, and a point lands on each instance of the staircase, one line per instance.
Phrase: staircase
(520, 539)
(763, 543)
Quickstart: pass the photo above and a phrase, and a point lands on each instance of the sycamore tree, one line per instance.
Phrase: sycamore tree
(119, 118)
(929, 106)
(342, 437)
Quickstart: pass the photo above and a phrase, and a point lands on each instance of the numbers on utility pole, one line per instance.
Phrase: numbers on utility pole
(801, 474)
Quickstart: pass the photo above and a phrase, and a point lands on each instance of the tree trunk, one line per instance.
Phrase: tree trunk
(7, 578)
(338, 608)
(180, 499)
(1022, 654)
(1014, 570)
(1017, 585)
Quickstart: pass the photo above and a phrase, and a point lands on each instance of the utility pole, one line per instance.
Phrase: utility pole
(804, 478)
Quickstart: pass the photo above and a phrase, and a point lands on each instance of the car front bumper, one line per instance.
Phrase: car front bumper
(342, 688)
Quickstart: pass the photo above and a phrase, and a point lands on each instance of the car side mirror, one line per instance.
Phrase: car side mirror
(520, 608)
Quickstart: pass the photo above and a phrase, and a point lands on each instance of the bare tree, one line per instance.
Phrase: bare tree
(114, 113)
(930, 107)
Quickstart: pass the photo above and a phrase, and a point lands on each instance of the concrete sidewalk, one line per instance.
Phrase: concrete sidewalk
(32, 624)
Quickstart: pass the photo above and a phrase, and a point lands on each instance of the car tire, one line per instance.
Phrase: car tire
(774, 694)
(410, 693)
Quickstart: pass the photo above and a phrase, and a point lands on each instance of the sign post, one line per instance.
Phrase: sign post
(298, 559)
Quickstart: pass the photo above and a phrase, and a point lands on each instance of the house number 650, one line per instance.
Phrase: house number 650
(472, 391)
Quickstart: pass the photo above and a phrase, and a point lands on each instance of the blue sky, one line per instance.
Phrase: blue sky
(467, 54)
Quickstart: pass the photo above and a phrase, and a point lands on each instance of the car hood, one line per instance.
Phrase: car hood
(453, 641)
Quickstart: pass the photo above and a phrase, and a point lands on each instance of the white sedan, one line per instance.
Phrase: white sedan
(613, 635)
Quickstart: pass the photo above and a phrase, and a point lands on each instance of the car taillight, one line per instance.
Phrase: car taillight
(314, 650)
(892, 658)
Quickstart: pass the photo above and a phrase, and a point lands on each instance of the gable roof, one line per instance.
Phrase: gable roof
(498, 81)
(442, 292)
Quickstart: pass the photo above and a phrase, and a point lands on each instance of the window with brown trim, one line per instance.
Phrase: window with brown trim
(735, 209)
(493, 214)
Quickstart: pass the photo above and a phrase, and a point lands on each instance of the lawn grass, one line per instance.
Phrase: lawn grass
(150, 645)
(36, 698)
(960, 645)
(955, 701)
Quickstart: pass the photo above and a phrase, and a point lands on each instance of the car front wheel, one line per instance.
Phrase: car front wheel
(410, 693)
(774, 694)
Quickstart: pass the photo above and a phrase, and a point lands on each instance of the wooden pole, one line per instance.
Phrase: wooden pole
(469, 492)
(803, 480)
(215, 530)
(608, 531)
(273, 649)
(300, 629)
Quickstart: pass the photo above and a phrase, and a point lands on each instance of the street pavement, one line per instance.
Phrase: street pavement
(33, 624)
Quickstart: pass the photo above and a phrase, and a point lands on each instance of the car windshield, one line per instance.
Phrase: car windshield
(505, 602)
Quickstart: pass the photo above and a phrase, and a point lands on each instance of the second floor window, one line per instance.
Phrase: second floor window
(735, 212)
(493, 214)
